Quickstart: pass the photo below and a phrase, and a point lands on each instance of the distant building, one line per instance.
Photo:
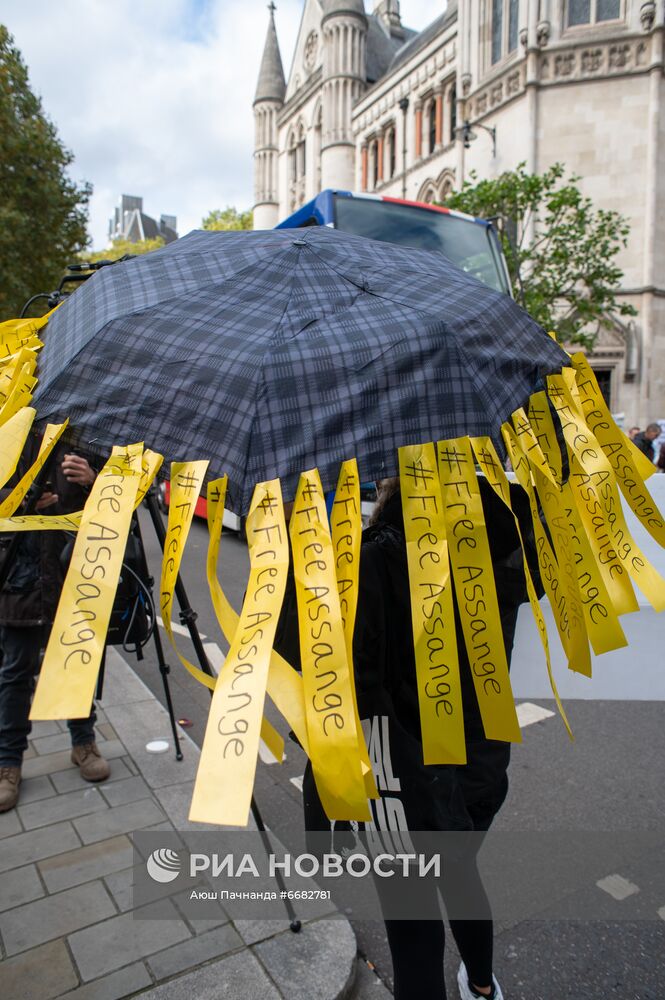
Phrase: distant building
(130, 222)
(370, 105)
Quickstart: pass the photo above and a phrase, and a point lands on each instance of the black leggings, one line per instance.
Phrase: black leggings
(417, 946)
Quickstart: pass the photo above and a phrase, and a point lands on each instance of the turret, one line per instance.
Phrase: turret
(344, 27)
(268, 101)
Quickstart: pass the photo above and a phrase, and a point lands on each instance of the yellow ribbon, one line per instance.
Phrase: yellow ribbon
(284, 683)
(186, 482)
(432, 610)
(345, 530)
(13, 434)
(471, 561)
(594, 472)
(52, 435)
(490, 465)
(73, 655)
(331, 725)
(225, 777)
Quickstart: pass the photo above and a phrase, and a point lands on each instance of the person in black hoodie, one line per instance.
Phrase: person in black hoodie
(419, 797)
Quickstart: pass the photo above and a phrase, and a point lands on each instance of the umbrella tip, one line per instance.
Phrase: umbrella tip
(299, 243)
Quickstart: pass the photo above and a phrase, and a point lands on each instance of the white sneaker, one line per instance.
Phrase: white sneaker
(467, 993)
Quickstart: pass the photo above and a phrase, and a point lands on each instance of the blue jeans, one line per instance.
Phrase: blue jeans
(20, 650)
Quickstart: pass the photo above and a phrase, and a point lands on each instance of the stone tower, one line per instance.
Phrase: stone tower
(268, 101)
(344, 28)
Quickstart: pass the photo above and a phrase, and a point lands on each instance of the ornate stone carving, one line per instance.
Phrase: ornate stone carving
(647, 15)
(513, 84)
(564, 64)
(592, 61)
(311, 50)
(620, 56)
(543, 32)
(524, 38)
(466, 83)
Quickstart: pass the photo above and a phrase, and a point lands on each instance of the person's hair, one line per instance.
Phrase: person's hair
(654, 427)
(385, 489)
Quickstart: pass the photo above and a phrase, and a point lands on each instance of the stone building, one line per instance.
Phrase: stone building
(130, 222)
(370, 105)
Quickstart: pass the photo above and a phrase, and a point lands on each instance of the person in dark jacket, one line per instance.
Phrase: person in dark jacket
(645, 439)
(28, 602)
(420, 798)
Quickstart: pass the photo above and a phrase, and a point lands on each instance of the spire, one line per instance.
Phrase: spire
(271, 85)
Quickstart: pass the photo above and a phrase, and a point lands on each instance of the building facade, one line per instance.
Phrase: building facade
(371, 106)
(130, 222)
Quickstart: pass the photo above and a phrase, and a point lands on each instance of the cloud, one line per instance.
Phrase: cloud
(154, 96)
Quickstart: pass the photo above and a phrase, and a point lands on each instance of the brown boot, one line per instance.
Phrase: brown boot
(90, 762)
(10, 779)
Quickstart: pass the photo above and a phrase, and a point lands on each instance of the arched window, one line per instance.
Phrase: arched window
(374, 163)
(292, 159)
(427, 192)
(301, 160)
(431, 125)
(453, 112)
(318, 125)
(390, 152)
(505, 14)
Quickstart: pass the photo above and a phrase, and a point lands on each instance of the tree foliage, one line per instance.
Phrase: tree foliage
(228, 218)
(561, 251)
(43, 213)
(119, 248)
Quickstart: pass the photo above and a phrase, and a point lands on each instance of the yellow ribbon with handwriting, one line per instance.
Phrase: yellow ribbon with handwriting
(225, 776)
(331, 724)
(14, 434)
(592, 461)
(432, 609)
(67, 679)
(620, 452)
(284, 683)
(549, 570)
(186, 482)
(602, 622)
(475, 589)
(345, 530)
(489, 463)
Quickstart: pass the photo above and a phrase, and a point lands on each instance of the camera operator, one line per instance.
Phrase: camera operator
(28, 602)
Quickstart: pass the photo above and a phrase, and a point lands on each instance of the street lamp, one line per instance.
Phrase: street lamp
(404, 107)
(468, 135)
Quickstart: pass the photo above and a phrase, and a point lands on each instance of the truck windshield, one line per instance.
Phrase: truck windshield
(468, 244)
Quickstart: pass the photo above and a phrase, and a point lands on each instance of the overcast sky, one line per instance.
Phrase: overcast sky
(154, 97)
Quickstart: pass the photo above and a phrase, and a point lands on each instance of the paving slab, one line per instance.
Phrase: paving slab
(86, 863)
(33, 789)
(9, 824)
(54, 916)
(123, 983)
(39, 974)
(119, 793)
(196, 951)
(121, 685)
(326, 946)
(45, 811)
(21, 885)
(125, 939)
(238, 977)
(70, 780)
(43, 728)
(139, 722)
(37, 844)
(49, 744)
(120, 819)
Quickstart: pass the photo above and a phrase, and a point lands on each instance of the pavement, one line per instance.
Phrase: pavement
(66, 922)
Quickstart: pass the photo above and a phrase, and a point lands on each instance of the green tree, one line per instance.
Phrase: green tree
(121, 247)
(43, 213)
(228, 218)
(561, 251)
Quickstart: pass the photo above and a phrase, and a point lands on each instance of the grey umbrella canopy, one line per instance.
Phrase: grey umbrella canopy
(270, 353)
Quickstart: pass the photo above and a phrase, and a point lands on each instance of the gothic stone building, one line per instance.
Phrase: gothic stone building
(370, 105)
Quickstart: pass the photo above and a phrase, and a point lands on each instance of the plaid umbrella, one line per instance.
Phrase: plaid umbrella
(270, 353)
